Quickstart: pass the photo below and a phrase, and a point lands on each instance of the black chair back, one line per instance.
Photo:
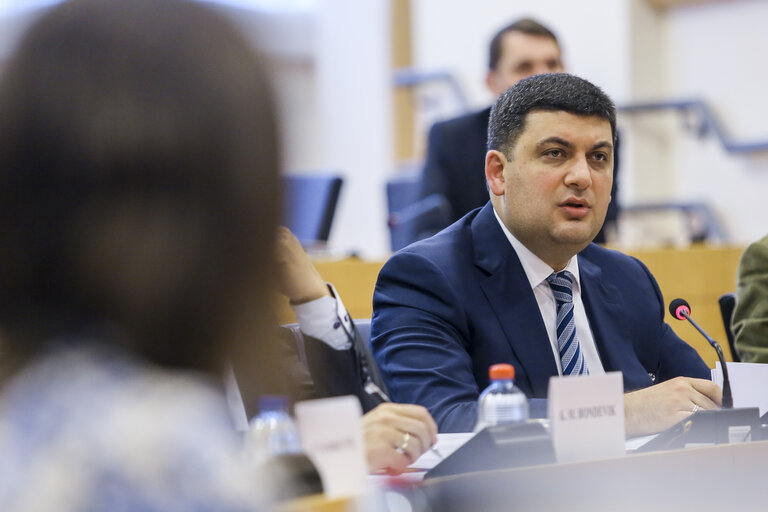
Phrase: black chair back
(309, 205)
(727, 303)
(412, 218)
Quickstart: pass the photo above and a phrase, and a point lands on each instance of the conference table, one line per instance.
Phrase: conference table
(700, 274)
(726, 477)
(719, 477)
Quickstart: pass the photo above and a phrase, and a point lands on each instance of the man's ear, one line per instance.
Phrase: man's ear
(491, 82)
(495, 162)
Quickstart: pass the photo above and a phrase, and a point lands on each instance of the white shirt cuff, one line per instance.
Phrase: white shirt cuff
(326, 319)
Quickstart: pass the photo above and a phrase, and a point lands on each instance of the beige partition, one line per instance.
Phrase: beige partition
(700, 275)
(353, 278)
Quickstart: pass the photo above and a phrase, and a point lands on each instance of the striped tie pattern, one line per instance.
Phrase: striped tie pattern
(567, 342)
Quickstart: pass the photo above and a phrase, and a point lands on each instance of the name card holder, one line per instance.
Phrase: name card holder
(586, 417)
(332, 436)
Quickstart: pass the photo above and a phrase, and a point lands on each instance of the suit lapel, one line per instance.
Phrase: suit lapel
(603, 312)
(509, 293)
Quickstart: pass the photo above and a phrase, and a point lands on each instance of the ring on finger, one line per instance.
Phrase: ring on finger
(404, 445)
(695, 408)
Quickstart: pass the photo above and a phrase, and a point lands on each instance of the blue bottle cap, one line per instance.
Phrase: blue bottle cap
(272, 403)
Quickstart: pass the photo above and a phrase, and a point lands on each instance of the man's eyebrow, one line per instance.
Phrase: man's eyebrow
(604, 144)
(556, 140)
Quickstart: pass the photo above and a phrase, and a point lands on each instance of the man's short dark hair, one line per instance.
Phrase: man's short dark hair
(526, 26)
(553, 92)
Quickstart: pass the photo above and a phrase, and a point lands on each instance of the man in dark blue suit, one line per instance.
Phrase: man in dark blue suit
(456, 148)
(513, 281)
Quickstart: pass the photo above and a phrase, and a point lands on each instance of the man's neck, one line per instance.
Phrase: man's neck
(557, 261)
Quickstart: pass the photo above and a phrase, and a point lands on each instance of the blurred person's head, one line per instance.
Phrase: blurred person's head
(549, 165)
(138, 183)
(519, 50)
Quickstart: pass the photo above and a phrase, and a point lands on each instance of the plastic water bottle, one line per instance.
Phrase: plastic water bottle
(502, 402)
(273, 432)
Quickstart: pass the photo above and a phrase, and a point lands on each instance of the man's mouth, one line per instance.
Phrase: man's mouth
(575, 207)
(575, 203)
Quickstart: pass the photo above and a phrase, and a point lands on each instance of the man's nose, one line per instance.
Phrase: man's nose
(579, 174)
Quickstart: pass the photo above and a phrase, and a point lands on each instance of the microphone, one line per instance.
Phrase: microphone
(680, 309)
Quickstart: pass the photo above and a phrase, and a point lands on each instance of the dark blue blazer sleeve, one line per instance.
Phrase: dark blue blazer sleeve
(626, 311)
(676, 357)
(416, 342)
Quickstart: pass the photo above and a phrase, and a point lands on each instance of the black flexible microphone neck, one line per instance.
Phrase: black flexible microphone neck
(680, 309)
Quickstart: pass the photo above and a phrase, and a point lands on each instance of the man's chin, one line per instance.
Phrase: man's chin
(576, 236)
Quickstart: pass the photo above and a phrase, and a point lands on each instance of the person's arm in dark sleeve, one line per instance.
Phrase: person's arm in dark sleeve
(676, 357)
(418, 342)
(750, 315)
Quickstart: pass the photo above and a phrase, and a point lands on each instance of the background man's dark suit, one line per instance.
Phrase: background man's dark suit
(448, 307)
(455, 168)
(455, 164)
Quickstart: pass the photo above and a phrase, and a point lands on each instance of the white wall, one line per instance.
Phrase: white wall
(647, 172)
(286, 35)
(355, 112)
(454, 35)
(331, 69)
(717, 53)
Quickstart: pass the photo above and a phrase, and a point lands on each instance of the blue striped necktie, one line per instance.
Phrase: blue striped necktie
(571, 358)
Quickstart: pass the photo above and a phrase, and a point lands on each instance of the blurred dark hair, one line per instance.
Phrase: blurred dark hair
(555, 92)
(138, 183)
(526, 26)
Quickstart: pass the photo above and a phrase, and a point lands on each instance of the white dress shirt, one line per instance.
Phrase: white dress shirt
(326, 319)
(537, 272)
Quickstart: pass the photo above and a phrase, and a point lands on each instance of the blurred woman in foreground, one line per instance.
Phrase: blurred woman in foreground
(138, 202)
(138, 186)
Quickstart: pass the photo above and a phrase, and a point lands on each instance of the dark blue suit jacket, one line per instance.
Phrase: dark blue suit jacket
(455, 168)
(448, 307)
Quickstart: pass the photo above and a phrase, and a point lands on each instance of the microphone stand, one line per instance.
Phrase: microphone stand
(727, 395)
(709, 426)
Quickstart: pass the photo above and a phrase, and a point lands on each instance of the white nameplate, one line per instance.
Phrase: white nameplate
(586, 417)
(749, 383)
(332, 437)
